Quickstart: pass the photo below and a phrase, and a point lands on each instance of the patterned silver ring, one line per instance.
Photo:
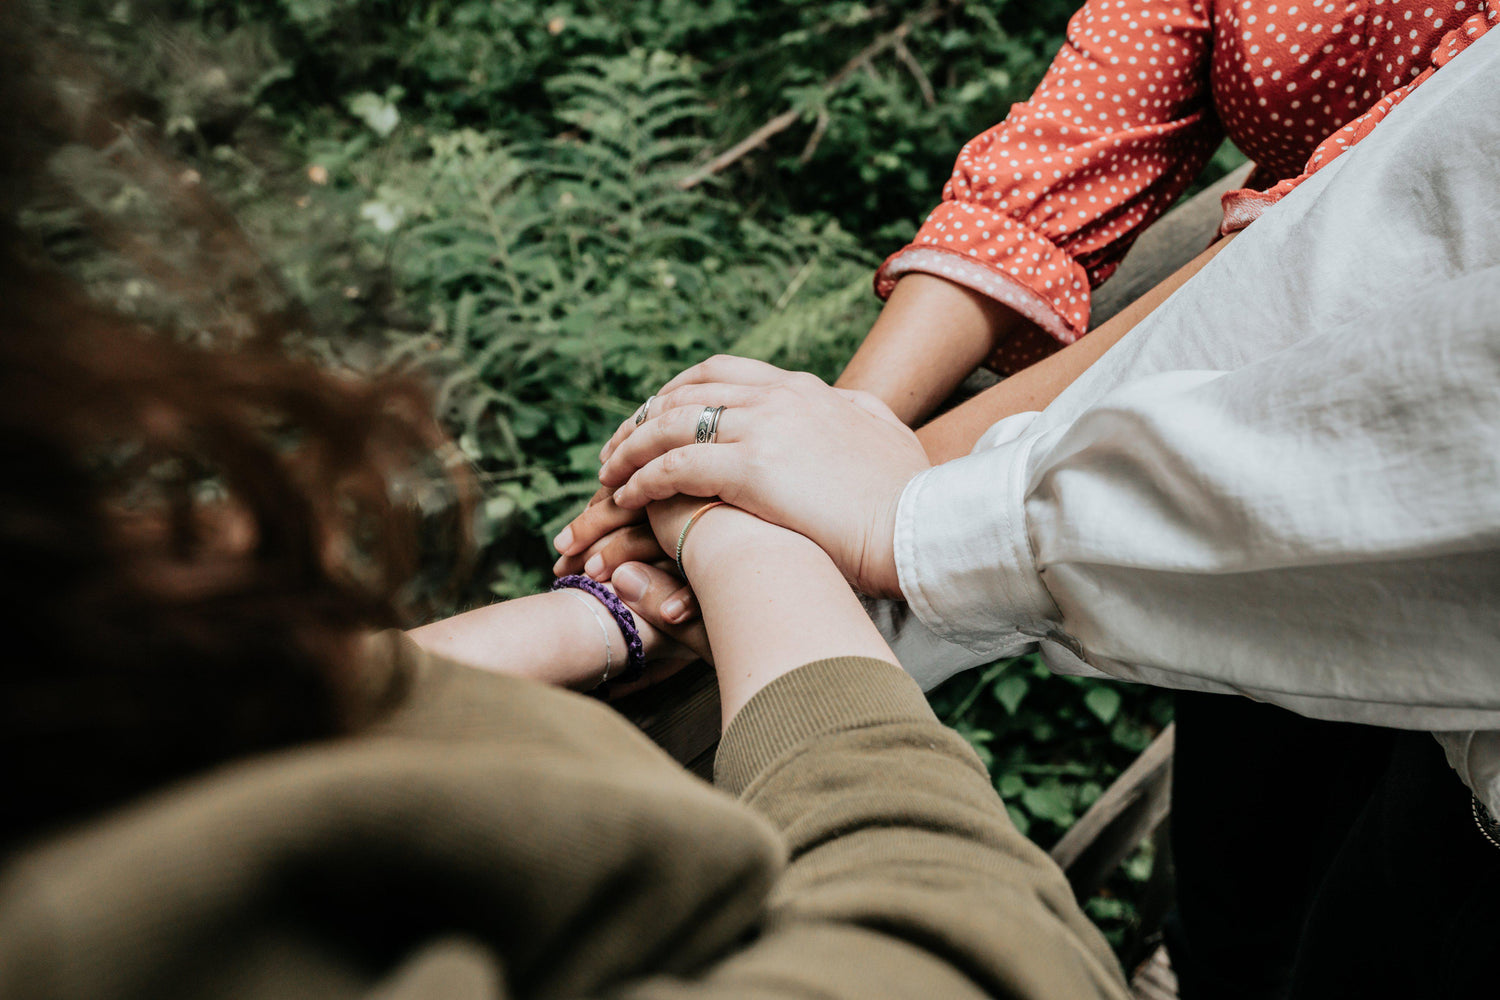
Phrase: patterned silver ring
(708, 425)
(644, 413)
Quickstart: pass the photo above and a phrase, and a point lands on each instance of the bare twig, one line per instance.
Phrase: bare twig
(929, 96)
(787, 119)
(829, 26)
(819, 127)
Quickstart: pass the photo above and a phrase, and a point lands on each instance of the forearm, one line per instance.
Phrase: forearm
(931, 334)
(771, 601)
(905, 868)
(954, 433)
(554, 638)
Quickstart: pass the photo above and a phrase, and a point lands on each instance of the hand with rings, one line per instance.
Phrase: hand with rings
(629, 538)
(828, 463)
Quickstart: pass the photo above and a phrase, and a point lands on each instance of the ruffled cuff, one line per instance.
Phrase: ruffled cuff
(998, 257)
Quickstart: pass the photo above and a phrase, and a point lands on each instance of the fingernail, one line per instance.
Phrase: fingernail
(674, 609)
(557, 568)
(630, 583)
(564, 540)
(594, 566)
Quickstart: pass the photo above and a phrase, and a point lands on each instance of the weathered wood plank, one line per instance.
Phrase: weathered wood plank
(1120, 819)
(681, 714)
(1171, 242)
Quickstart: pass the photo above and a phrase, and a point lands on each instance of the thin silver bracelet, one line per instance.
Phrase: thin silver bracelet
(609, 652)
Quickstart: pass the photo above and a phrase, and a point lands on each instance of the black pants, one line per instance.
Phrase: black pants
(1320, 860)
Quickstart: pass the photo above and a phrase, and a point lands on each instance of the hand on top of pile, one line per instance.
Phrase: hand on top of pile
(828, 463)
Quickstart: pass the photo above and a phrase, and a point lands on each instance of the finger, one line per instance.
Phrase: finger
(727, 368)
(651, 593)
(695, 470)
(680, 607)
(635, 543)
(596, 521)
(629, 424)
(695, 396)
(675, 428)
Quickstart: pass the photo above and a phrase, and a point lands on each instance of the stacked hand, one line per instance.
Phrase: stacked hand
(828, 463)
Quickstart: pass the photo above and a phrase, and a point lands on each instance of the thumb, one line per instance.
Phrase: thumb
(647, 591)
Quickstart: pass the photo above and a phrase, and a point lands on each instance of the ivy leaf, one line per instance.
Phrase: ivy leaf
(1049, 801)
(1104, 702)
(375, 111)
(1010, 690)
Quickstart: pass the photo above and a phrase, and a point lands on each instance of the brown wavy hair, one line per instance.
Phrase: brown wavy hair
(195, 525)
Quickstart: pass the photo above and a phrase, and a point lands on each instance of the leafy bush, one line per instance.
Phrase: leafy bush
(567, 279)
(493, 190)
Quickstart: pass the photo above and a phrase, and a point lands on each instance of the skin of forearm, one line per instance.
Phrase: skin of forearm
(928, 338)
(552, 638)
(771, 601)
(953, 434)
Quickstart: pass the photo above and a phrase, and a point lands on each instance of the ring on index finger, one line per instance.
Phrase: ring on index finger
(708, 425)
(644, 413)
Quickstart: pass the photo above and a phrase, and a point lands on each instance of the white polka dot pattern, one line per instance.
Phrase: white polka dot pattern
(1243, 207)
(1042, 207)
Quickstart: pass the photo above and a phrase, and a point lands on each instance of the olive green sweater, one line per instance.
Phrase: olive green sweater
(493, 838)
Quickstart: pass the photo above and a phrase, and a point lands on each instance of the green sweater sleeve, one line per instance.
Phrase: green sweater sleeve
(906, 876)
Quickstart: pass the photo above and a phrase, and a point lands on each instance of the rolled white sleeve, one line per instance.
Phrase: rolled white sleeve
(974, 556)
(1285, 482)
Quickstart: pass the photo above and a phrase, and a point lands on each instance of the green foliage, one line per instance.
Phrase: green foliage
(492, 191)
(889, 132)
(567, 279)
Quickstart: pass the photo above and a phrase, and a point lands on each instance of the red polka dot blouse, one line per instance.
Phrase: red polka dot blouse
(1042, 207)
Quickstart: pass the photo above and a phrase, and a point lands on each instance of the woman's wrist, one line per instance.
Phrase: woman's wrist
(553, 638)
(930, 336)
(726, 536)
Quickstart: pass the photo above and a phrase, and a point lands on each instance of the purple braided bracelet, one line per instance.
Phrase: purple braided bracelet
(635, 651)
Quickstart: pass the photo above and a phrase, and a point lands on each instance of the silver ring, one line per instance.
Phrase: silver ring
(644, 413)
(708, 425)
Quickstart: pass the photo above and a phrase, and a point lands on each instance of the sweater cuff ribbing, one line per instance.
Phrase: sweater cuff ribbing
(818, 699)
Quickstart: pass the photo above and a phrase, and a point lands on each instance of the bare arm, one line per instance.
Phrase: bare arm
(953, 434)
(553, 638)
(931, 334)
(771, 599)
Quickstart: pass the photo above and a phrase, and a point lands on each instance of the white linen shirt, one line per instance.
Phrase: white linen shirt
(1285, 482)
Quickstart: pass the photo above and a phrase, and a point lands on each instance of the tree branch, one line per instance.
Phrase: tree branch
(889, 40)
(929, 96)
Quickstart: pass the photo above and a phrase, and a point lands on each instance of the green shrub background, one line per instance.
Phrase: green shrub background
(491, 190)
